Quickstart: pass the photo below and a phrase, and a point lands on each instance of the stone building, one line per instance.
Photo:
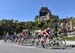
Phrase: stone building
(44, 14)
(70, 27)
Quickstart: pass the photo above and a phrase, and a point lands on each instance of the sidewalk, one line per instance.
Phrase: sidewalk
(70, 42)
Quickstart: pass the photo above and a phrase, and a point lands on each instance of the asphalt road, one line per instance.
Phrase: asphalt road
(12, 48)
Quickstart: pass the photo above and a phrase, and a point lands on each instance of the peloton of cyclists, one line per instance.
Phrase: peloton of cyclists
(43, 37)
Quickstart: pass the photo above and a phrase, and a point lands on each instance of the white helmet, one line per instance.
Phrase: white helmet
(48, 28)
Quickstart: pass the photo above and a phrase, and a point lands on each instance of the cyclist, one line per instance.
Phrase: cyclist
(45, 37)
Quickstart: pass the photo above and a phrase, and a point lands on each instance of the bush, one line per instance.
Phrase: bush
(70, 38)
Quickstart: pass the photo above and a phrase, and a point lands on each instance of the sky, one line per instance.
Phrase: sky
(26, 10)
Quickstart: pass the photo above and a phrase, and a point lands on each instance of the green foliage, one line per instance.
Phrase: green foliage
(73, 21)
(70, 38)
(11, 26)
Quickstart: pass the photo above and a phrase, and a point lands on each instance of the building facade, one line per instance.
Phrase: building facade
(44, 14)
